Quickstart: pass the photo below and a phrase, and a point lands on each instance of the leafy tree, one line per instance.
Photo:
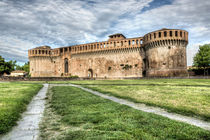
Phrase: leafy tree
(6, 67)
(202, 58)
(25, 67)
(2, 62)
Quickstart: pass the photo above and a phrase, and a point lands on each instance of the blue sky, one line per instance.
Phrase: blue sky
(25, 24)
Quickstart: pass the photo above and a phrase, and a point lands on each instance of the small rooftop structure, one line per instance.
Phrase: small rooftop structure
(18, 73)
(117, 36)
(43, 47)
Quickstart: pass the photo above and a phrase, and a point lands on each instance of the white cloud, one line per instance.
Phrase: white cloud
(191, 15)
(58, 23)
(27, 24)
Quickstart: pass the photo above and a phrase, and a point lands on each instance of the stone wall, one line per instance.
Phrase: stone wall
(118, 63)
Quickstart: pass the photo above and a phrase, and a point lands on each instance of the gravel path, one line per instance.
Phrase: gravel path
(28, 126)
(156, 110)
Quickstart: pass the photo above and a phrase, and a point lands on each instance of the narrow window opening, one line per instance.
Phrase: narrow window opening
(66, 65)
(137, 42)
(159, 34)
(170, 33)
(165, 34)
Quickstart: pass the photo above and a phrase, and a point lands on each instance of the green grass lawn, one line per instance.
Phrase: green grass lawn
(185, 96)
(14, 98)
(203, 82)
(77, 114)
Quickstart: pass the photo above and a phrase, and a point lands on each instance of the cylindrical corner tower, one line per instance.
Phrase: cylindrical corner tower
(40, 62)
(165, 52)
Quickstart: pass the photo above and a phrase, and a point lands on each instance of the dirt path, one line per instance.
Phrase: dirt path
(156, 110)
(28, 126)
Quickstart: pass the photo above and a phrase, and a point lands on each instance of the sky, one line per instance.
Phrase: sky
(25, 24)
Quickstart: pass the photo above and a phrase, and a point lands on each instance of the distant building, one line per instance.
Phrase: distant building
(158, 53)
(18, 73)
(5, 74)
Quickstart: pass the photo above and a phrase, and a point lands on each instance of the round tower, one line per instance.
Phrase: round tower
(40, 62)
(165, 52)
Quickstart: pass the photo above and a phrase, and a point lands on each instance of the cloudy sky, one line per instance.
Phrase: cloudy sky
(25, 24)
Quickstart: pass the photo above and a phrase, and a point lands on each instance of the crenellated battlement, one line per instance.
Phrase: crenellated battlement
(165, 36)
(90, 47)
(43, 51)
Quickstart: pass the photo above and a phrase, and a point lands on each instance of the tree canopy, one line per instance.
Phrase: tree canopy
(202, 58)
(25, 67)
(6, 67)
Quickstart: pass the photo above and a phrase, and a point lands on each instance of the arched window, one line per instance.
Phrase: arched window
(159, 34)
(165, 34)
(170, 33)
(176, 33)
(66, 65)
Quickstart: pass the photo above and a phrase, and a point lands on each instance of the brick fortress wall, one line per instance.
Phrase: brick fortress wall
(151, 55)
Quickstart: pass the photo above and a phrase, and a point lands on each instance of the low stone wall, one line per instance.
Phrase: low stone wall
(37, 78)
(68, 78)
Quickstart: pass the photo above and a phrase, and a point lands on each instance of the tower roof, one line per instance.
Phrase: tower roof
(117, 34)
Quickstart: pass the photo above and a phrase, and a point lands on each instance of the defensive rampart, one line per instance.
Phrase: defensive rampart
(159, 53)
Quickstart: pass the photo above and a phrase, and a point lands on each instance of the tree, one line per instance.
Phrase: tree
(6, 67)
(25, 67)
(202, 58)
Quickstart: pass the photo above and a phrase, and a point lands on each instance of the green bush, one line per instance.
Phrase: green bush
(73, 76)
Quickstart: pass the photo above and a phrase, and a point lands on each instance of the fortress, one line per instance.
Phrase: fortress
(158, 53)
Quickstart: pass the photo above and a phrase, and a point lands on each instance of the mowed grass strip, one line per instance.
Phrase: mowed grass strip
(184, 96)
(91, 117)
(181, 82)
(190, 101)
(14, 98)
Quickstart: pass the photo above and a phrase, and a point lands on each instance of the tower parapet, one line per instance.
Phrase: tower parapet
(40, 51)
